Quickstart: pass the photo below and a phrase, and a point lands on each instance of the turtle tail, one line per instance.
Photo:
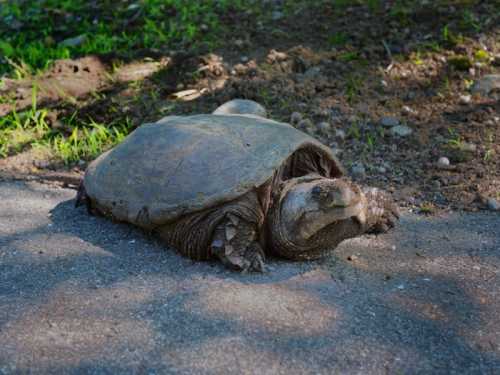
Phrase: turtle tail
(82, 198)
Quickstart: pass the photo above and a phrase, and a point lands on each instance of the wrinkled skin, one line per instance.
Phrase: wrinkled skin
(309, 217)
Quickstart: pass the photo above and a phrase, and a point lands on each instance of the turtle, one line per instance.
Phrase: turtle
(233, 186)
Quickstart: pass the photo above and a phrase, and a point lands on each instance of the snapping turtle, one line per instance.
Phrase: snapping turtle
(233, 187)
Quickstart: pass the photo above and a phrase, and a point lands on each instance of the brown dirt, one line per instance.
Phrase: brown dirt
(66, 81)
(290, 66)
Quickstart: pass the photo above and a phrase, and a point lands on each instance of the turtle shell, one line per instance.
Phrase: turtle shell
(181, 165)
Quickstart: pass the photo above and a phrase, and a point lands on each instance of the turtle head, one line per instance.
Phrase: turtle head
(314, 211)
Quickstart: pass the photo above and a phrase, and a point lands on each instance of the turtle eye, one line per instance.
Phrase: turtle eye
(316, 192)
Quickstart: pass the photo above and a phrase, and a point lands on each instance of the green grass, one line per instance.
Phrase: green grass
(33, 32)
(19, 131)
(85, 143)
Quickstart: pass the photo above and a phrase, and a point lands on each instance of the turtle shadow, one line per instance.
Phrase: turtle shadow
(134, 246)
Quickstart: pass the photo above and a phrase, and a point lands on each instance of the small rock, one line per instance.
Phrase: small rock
(340, 134)
(244, 59)
(461, 152)
(276, 15)
(401, 131)
(239, 43)
(443, 162)
(306, 125)
(493, 204)
(295, 118)
(381, 169)
(133, 6)
(337, 151)
(468, 147)
(358, 170)
(487, 84)
(312, 72)
(74, 42)
(240, 69)
(496, 60)
(324, 127)
(408, 110)
(42, 164)
(389, 122)
(465, 99)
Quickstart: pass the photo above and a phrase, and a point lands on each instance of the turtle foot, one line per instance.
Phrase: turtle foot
(234, 244)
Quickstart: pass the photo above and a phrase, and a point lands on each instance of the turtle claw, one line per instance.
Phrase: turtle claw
(255, 257)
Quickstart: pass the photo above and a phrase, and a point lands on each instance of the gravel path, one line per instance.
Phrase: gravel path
(79, 294)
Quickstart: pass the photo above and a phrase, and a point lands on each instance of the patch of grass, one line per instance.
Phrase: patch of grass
(85, 143)
(348, 56)
(489, 146)
(482, 56)
(353, 87)
(416, 58)
(337, 39)
(20, 130)
(36, 32)
(469, 21)
(30, 128)
(427, 208)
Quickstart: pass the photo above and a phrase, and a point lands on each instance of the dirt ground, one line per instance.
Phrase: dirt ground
(80, 294)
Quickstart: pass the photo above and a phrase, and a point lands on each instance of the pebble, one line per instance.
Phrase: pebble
(436, 184)
(306, 125)
(487, 84)
(340, 134)
(324, 127)
(358, 170)
(389, 122)
(401, 131)
(313, 72)
(276, 15)
(382, 169)
(468, 147)
(465, 99)
(408, 110)
(239, 43)
(443, 162)
(74, 42)
(493, 204)
(43, 164)
(295, 118)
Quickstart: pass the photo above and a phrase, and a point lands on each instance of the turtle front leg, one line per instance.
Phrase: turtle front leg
(235, 243)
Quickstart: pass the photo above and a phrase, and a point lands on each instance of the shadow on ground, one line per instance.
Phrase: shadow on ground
(82, 294)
